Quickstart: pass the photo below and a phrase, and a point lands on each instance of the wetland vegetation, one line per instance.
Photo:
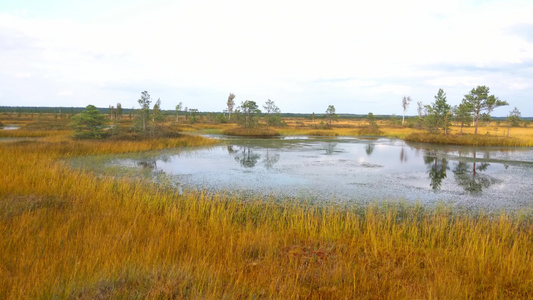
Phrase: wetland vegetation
(74, 233)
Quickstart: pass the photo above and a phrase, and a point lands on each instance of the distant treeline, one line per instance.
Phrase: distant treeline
(105, 110)
(49, 110)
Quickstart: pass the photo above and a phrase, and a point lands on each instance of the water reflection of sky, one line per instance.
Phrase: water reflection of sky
(10, 127)
(356, 169)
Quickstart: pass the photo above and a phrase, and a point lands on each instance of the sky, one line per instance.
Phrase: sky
(360, 56)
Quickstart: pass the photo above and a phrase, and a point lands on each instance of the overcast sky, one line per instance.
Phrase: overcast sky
(360, 56)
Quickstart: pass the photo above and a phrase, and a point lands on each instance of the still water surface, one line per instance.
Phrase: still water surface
(352, 169)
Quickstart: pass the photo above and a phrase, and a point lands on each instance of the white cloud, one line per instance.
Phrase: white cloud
(65, 93)
(22, 75)
(293, 50)
(455, 81)
(518, 85)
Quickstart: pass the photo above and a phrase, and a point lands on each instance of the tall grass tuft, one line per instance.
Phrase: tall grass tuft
(66, 233)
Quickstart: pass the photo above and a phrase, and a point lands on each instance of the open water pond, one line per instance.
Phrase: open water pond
(349, 169)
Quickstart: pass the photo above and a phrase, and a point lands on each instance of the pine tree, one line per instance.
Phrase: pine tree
(144, 112)
(480, 100)
(89, 124)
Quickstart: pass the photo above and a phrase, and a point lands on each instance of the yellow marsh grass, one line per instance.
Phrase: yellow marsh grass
(240, 131)
(32, 133)
(68, 233)
(398, 132)
(487, 136)
(523, 134)
(300, 126)
(466, 139)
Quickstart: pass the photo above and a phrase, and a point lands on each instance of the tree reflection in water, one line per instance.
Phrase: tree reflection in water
(467, 174)
(436, 169)
(369, 148)
(330, 148)
(247, 158)
(468, 177)
(403, 155)
(270, 160)
(231, 150)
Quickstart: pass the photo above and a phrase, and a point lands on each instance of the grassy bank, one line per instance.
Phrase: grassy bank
(68, 233)
(466, 139)
(253, 132)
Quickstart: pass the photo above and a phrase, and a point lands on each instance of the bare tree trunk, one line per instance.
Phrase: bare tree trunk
(477, 121)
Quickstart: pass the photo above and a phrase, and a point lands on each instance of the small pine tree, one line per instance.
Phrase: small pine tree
(330, 114)
(89, 124)
(271, 112)
(144, 111)
(439, 114)
(371, 120)
(157, 114)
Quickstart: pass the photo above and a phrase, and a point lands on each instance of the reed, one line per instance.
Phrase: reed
(67, 233)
